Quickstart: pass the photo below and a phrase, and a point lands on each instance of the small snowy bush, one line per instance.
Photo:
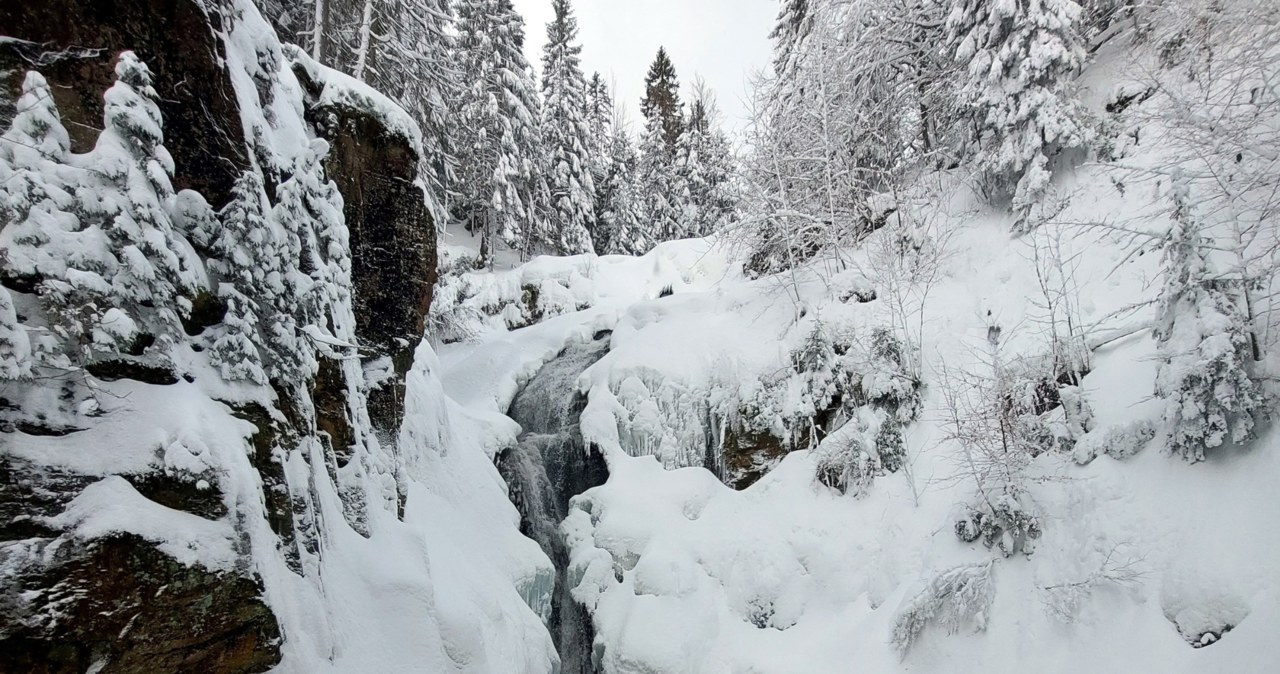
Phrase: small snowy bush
(889, 383)
(845, 464)
(1118, 442)
(956, 598)
(889, 444)
(1005, 523)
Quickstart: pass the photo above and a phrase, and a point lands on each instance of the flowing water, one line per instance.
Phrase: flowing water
(547, 467)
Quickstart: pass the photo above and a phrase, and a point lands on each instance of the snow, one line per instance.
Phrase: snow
(1141, 558)
(112, 506)
(682, 574)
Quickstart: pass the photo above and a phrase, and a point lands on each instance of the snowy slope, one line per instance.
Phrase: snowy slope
(1139, 557)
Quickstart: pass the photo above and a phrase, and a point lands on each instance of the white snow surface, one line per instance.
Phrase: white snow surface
(683, 574)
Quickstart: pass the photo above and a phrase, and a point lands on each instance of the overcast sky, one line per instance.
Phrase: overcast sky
(724, 41)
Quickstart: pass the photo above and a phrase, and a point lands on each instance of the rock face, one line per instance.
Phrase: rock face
(74, 44)
(393, 246)
(118, 604)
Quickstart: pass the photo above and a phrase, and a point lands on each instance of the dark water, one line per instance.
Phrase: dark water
(547, 467)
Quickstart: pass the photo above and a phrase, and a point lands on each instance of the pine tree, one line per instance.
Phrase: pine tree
(149, 273)
(794, 23)
(15, 347)
(661, 207)
(499, 146)
(600, 152)
(661, 100)
(704, 168)
(1020, 55)
(619, 227)
(1204, 345)
(250, 278)
(566, 136)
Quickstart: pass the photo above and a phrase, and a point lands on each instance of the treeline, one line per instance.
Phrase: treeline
(545, 166)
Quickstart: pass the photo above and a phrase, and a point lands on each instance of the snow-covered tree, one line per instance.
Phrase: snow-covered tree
(420, 74)
(315, 299)
(132, 153)
(499, 147)
(97, 245)
(566, 136)
(619, 228)
(795, 21)
(661, 102)
(854, 113)
(1020, 56)
(250, 280)
(704, 164)
(36, 122)
(600, 130)
(15, 347)
(600, 117)
(959, 597)
(999, 430)
(1204, 344)
(661, 206)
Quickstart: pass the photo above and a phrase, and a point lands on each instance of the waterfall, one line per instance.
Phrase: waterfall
(548, 466)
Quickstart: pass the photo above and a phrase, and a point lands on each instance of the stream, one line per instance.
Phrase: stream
(548, 466)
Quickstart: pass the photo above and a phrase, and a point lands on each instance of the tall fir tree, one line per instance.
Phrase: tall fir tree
(619, 229)
(499, 146)
(566, 136)
(248, 270)
(656, 172)
(661, 100)
(661, 207)
(600, 114)
(704, 164)
(1020, 56)
(599, 149)
(795, 21)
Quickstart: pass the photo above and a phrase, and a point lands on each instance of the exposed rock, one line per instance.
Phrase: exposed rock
(66, 604)
(393, 242)
(120, 604)
(117, 603)
(749, 455)
(74, 44)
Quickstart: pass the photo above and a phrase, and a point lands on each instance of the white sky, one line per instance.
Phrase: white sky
(724, 41)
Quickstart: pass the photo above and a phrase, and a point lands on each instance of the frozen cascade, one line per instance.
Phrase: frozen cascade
(548, 466)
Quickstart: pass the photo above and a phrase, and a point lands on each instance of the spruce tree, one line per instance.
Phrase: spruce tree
(795, 21)
(661, 100)
(704, 168)
(566, 135)
(150, 274)
(249, 277)
(1020, 56)
(15, 347)
(661, 206)
(619, 228)
(600, 151)
(503, 194)
(1204, 345)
